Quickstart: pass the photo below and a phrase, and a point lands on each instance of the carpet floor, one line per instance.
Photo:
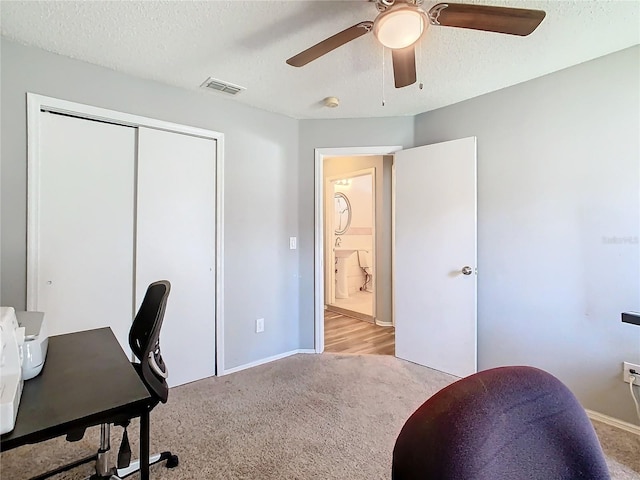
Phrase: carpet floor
(303, 417)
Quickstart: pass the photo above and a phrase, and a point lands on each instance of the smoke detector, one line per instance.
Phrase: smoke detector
(331, 102)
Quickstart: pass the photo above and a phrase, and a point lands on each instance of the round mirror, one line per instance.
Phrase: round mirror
(342, 213)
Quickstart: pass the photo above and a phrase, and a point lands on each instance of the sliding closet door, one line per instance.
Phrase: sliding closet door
(176, 242)
(81, 234)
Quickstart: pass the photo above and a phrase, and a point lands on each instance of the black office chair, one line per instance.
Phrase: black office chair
(505, 423)
(144, 340)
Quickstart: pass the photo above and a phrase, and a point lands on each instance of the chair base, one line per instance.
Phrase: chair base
(120, 473)
(115, 474)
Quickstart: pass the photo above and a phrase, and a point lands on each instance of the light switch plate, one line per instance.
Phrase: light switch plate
(293, 244)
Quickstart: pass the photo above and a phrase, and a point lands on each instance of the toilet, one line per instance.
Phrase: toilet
(364, 260)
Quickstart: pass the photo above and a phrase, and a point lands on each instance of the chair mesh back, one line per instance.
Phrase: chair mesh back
(505, 423)
(144, 338)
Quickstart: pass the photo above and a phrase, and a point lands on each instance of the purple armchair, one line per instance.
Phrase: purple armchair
(508, 423)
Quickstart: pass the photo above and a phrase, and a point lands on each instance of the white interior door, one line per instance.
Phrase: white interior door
(435, 239)
(176, 242)
(84, 226)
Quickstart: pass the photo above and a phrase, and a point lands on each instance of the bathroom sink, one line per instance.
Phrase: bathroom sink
(343, 252)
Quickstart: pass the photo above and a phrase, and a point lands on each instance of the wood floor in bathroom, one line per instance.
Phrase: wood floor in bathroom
(344, 334)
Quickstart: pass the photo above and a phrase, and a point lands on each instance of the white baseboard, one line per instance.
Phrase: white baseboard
(613, 422)
(266, 360)
(384, 324)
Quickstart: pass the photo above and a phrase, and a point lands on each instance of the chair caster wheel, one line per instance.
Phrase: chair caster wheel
(172, 461)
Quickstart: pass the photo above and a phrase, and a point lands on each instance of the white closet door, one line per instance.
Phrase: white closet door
(84, 227)
(176, 242)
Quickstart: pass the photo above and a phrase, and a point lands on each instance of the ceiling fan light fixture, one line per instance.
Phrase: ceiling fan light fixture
(400, 26)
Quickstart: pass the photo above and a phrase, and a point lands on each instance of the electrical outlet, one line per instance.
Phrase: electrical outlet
(260, 326)
(626, 366)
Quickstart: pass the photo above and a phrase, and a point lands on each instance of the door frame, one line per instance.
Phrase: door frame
(37, 103)
(320, 154)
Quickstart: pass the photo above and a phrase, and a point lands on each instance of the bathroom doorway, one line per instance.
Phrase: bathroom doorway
(449, 164)
(357, 254)
(350, 237)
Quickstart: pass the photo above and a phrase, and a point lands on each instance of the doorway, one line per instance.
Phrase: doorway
(356, 227)
(350, 249)
(433, 255)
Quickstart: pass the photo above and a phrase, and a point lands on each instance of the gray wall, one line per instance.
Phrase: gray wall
(558, 220)
(360, 132)
(558, 223)
(261, 188)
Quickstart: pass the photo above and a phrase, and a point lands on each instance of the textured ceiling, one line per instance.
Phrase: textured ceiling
(246, 43)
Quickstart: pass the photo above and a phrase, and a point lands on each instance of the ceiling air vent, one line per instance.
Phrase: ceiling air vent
(220, 86)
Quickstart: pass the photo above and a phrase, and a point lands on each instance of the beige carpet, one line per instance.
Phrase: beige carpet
(303, 417)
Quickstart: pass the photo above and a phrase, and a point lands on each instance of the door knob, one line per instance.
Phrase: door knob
(466, 270)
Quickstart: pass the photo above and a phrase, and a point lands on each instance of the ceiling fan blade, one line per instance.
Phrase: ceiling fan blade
(404, 66)
(513, 21)
(330, 43)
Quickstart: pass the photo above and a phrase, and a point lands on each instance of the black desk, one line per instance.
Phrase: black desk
(86, 380)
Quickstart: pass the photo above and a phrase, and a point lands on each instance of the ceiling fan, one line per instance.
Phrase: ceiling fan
(401, 23)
